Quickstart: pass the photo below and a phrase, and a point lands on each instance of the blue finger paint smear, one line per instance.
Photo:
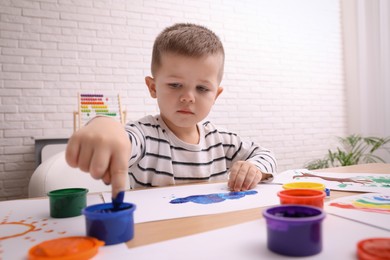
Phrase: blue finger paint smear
(213, 198)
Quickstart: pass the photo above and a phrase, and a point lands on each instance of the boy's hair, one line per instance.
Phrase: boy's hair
(188, 40)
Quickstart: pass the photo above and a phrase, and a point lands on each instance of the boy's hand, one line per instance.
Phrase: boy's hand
(244, 176)
(103, 149)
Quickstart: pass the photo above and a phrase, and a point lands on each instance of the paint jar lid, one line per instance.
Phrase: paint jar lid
(304, 185)
(374, 249)
(69, 248)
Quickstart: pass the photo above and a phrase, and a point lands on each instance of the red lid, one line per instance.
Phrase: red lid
(374, 249)
(67, 248)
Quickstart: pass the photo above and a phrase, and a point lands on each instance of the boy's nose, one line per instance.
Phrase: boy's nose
(187, 96)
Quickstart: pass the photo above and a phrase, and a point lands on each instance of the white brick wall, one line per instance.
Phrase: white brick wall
(283, 78)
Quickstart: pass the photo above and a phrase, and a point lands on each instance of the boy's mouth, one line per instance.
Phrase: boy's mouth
(185, 111)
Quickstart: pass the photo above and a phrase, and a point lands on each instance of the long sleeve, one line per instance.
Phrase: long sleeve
(159, 158)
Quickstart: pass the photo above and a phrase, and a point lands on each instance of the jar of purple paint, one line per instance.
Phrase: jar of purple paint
(294, 230)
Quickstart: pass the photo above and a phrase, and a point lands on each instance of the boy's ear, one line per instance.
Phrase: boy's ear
(219, 91)
(151, 86)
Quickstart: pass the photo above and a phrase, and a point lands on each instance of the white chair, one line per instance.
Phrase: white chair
(54, 173)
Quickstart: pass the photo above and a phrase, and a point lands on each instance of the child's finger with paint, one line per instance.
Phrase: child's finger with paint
(118, 175)
(119, 182)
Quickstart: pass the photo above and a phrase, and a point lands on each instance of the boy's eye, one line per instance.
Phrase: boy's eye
(174, 85)
(202, 88)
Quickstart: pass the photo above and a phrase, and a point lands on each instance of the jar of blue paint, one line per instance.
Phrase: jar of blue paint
(109, 224)
(294, 230)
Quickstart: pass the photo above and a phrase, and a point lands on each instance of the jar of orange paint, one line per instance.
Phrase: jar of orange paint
(308, 197)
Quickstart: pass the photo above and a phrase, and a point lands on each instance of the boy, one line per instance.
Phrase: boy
(173, 147)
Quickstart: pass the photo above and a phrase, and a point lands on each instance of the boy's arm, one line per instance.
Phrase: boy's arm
(245, 175)
(103, 149)
(252, 165)
(265, 161)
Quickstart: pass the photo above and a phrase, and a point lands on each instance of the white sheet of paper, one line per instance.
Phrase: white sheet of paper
(363, 182)
(118, 251)
(154, 204)
(34, 213)
(249, 241)
(369, 208)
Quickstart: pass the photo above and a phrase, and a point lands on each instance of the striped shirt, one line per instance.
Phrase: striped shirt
(159, 158)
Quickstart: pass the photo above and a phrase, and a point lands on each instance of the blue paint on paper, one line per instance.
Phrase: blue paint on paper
(381, 197)
(213, 198)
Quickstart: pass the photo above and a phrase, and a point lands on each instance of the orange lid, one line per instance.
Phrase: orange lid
(67, 248)
(374, 249)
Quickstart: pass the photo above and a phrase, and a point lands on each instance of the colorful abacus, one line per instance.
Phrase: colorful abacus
(91, 105)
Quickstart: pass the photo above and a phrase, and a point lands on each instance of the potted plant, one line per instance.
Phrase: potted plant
(354, 149)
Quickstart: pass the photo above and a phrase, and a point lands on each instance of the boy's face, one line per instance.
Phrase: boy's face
(186, 89)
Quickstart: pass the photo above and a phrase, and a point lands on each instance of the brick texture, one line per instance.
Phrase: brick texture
(283, 78)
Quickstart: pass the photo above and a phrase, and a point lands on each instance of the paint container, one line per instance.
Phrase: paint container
(65, 203)
(374, 249)
(294, 230)
(304, 185)
(110, 225)
(327, 192)
(302, 196)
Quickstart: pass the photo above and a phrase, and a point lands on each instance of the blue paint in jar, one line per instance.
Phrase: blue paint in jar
(109, 224)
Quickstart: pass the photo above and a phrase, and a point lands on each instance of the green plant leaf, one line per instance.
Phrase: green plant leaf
(354, 150)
